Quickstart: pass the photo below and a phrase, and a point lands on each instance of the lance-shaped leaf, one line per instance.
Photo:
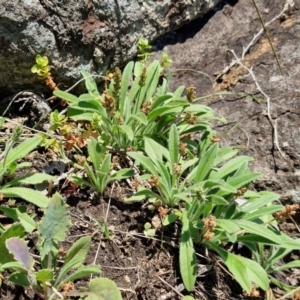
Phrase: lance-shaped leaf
(54, 224)
(187, 256)
(16, 230)
(18, 248)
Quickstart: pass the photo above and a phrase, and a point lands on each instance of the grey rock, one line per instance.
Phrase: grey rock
(200, 52)
(90, 35)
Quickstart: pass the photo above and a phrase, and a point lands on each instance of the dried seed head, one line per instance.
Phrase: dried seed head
(62, 252)
(135, 183)
(240, 192)
(163, 212)
(153, 181)
(191, 94)
(143, 77)
(209, 223)
(67, 287)
(129, 149)
(116, 161)
(290, 210)
(208, 235)
(187, 136)
(191, 118)
(117, 85)
(297, 295)
(108, 102)
(214, 139)
(146, 107)
(253, 293)
(182, 149)
(176, 168)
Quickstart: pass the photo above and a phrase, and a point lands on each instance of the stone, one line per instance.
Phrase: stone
(201, 52)
(81, 35)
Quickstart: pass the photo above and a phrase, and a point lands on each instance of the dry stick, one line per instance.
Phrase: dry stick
(289, 294)
(252, 42)
(177, 292)
(273, 124)
(75, 84)
(106, 216)
(268, 35)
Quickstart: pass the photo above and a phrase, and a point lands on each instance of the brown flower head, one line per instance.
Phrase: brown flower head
(153, 181)
(191, 118)
(108, 102)
(191, 94)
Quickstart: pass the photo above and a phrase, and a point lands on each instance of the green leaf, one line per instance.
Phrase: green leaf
(82, 272)
(229, 226)
(21, 150)
(32, 196)
(45, 275)
(261, 230)
(66, 96)
(268, 210)
(2, 121)
(174, 145)
(18, 248)
(32, 179)
(142, 194)
(65, 269)
(171, 218)
(103, 289)
(145, 161)
(243, 180)
(79, 249)
(90, 84)
(254, 238)
(243, 269)
(127, 130)
(54, 224)
(187, 256)
(12, 265)
(159, 101)
(140, 117)
(230, 166)
(153, 150)
(95, 153)
(264, 199)
(290, 265)
(126, 76)
(16, 230)
(19, 278)
(121, 174)
(206, 162)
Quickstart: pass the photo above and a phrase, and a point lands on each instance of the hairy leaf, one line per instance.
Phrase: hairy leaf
(18, 248)
(187, 256)
(54, 224)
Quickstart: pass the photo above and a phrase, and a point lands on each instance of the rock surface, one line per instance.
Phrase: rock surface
(81, 35)
(204, 45)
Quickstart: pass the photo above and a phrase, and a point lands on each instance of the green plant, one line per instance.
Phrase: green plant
(52, 280)
(143, 48)
(166, 169)
(209, 184)
(41, 67)
(200, 182)
(103, 169)
(123, 117)
(9, 164)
